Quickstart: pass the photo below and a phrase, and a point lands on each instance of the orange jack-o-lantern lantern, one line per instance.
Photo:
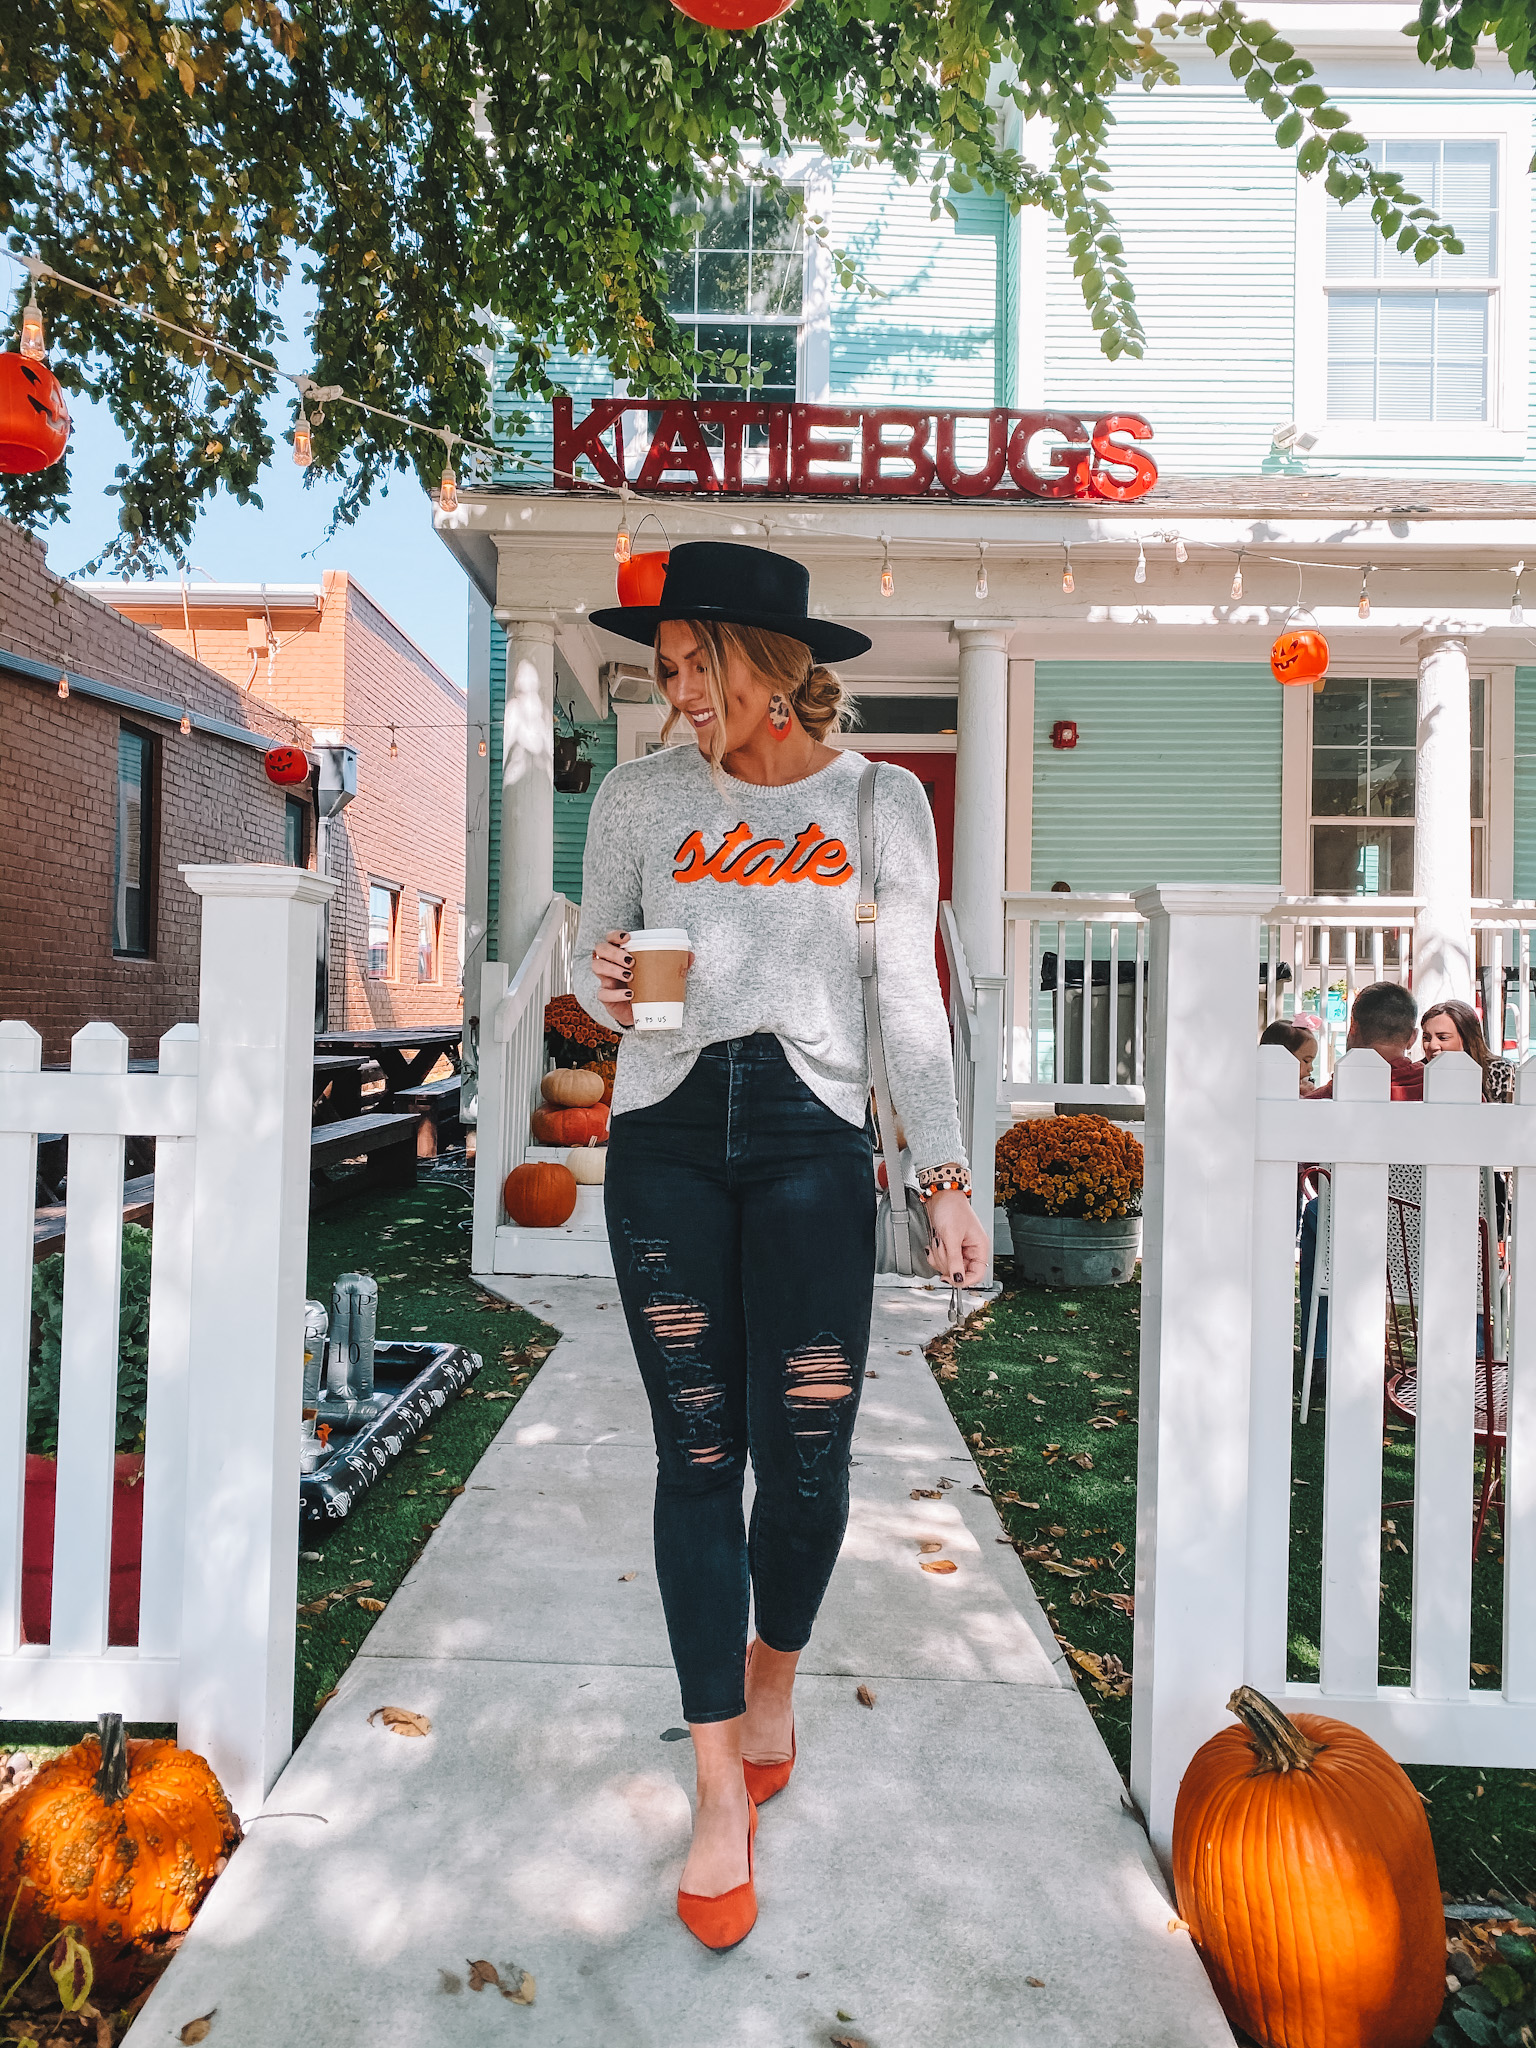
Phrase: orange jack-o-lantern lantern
(732, 15)
(642, 576)
(34, 420)
(286, 766)
(1299, 657)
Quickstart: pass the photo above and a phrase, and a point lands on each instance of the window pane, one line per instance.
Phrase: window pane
(1430, 351)
(1477, 782)
(722, 283)
(778, 281)
(726, 222)
(773, 225)
(1394, 714)
(1392, 784)
(130, 880)
(1469, 199)
(1407, 323)
(1354, 242)
(428, 917)
(774, 350)
(1338, 782)
(1406, 391)
(1362, 860)
(381, 930)
(1351, 391)
(1339, 716)
(679, 267)
(293, 832)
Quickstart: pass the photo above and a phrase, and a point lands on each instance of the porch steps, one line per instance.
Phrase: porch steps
(956, 1863)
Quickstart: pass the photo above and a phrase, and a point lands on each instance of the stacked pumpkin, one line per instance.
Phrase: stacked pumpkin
(539, 1194)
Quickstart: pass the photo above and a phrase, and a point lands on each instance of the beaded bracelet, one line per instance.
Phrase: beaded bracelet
(952, 1178)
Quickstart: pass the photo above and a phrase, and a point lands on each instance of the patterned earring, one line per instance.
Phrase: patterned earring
(780, 717)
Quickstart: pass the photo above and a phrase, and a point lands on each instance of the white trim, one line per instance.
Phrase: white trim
(1504, 433)
(1019, 840)
(1499, 782)
(816, 306)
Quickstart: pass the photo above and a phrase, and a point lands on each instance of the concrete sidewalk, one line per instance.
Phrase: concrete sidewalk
(928, 1858)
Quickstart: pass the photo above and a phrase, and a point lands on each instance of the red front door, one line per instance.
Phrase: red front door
(936, 772)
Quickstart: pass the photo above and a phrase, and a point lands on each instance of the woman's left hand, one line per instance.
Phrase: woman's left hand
(958, 1250)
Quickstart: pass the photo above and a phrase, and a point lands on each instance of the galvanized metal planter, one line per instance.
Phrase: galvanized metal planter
(1070, 1251)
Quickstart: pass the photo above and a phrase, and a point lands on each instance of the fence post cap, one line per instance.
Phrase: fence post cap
(1203, 899)
(296, 885)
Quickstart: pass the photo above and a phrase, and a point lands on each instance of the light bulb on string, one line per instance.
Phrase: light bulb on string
(63, 688)
(32, 328)
(448, 490)
(186, 724)
(1180, 552)
(1237, 580)
(623, 545)
(981, 568)
(1516, 608)
(303, 447)
(1068, 585)
(481, 750)
(1364, 606)
(394, 745)
(887, 579)
(1141, 563)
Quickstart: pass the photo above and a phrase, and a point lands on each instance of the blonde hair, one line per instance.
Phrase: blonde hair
(816, 694)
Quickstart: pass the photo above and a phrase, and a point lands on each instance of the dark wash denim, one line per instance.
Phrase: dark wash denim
(741, 1211)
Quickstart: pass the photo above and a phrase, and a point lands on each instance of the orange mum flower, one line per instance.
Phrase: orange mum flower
(568, 1030)
(1070, 1166)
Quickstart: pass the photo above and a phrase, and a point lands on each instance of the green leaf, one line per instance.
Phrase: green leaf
(1289, 131)
(1240, 63)
(1350, 143)
(1312, 155)
(1474, 2026)
(1506, 1984)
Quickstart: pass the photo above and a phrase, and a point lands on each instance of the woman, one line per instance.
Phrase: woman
(1299, 1042)
(1454, 1027)
(740, 1187)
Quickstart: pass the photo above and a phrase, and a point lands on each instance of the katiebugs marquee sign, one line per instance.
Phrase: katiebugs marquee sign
(746, 449)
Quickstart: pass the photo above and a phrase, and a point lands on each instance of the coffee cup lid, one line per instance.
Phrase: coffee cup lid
(660, 939)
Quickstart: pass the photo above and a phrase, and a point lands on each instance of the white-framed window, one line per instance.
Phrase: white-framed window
(742, 287)
(1399, 358)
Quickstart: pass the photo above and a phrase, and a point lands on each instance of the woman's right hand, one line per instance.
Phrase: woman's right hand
(614, 969)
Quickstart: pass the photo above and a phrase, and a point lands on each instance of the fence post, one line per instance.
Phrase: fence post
(986, 1093)
(491, 1121)
(250, 1238)
(21, 1053)
(1196, 1335)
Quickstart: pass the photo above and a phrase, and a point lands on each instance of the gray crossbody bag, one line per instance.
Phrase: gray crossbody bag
(901, 1224)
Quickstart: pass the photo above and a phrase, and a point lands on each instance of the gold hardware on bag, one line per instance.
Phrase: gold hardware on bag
(864, 913)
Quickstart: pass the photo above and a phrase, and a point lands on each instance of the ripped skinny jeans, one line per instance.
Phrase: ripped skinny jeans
(741, 1215)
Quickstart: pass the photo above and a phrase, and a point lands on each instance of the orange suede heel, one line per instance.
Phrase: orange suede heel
(723, 1921)
(764, 1780)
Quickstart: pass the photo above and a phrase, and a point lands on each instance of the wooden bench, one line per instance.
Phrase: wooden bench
(435, 1105)
(386, 1142)
(48, 1223)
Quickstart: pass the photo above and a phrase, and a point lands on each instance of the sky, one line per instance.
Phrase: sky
(391, 549)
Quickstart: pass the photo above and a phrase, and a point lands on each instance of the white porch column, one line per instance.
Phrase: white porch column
(1196, 1329)
(1442, 846)
(981, 790)
(527, 879)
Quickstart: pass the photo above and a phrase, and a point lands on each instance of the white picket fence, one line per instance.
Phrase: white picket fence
(1224, 1135)
(229, 1110)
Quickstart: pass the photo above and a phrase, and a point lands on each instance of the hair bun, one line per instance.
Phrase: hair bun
(821, 703)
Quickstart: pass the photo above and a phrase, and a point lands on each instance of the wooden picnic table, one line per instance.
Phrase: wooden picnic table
(338, 1085)
(406, 1054)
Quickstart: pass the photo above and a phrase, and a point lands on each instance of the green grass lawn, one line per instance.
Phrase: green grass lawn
(416, 1243)
(1044, 1387)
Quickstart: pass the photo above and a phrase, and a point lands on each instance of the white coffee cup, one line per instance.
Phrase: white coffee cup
(660, 977)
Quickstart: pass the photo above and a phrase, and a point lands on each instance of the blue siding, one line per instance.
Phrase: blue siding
(571, 812)
(1175, 776)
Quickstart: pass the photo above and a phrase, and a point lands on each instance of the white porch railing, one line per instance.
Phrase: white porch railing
(1225, 1133)
(1506, 937)
(1074, 1030)
(975, 1022)
(512, 1064)
(229, 1110)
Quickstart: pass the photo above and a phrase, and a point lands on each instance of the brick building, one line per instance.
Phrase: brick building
(103, 796)
(330, 656)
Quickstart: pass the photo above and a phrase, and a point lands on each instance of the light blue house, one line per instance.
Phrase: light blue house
(1340, 439)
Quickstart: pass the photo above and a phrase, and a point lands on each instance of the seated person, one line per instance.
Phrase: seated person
(1297, 1040)
(1386, 1020)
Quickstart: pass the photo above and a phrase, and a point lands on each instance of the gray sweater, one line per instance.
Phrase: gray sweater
(765, 881)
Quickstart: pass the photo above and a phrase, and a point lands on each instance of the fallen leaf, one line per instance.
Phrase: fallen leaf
(925, 1493)
(1486, 1670)
(930, 1544)
(1081, 1460)
(848, 2041)
(625, 1577)
(481, 1974)
(1037, 1983)
(401, 1721)
(1062, 1571)
(844, 2015)
(1103, 1422)
(1036, 1399)
(373, 1606)
(197, 2030)
(523, 1990)
(1178, 1927)
(314, 1607)
(1050, 1359)
(904, 1354)
(325, 1698)
(864, 1696)
(939, 1564)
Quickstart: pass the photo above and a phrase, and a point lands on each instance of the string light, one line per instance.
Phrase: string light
(303, 448)
(394, 745)
(1364, 606)
(1180, 552)
(1141, 563)
(63, 688)
(887, 580)
(981, 568)
(1516, 608)
(1067, 583)
(448, 491)
(32, 328)
(186, 724)
(1237, 580)
(481, 750)
(623, 546)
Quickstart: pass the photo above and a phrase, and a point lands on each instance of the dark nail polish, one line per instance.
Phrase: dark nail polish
(629, 959)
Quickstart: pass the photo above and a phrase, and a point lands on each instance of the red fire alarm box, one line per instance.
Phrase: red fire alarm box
(1064, 734)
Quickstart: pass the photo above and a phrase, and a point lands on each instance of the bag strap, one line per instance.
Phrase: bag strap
(866, 913)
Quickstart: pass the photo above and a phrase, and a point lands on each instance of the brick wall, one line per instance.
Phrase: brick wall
(58, 807)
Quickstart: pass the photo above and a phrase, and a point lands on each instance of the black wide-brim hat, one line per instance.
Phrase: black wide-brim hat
(729, 584)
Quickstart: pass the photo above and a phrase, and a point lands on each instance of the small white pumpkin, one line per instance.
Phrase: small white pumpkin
(589, 1163)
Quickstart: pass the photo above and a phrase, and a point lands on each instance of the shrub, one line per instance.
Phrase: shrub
(132, 1346)
(1069, 1166)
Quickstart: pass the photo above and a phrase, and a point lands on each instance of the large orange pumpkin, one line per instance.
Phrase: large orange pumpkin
(122, 1838)
(1299, 657)
(540, 1195)
(1303, 1864)
(34, 420)
(570, 1126)
(640, 579)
